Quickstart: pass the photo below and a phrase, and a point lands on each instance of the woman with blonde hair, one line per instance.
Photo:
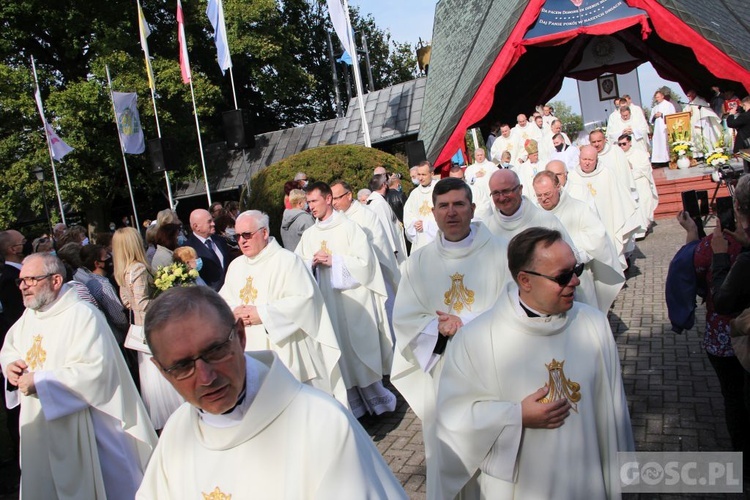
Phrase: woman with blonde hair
(189, 257)
(133, 274)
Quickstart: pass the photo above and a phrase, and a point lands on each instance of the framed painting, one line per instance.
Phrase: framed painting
(679, 127)
(607, 85)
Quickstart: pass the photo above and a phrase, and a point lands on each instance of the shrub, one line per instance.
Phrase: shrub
(353, 164)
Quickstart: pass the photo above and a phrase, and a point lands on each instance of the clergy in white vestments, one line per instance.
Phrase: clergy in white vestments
(566, 153)
(477, 176)
(531, 399)
(249, 428)
(660, 140)
(547, 146)
(561, 172)
(504, 142)
(594, 246)
(529, 168)
(349, 276)
(635, 110)
(706, 124)
(547, 117)
(634, 126)
(446, 285)
(613, 158)
(513, 213)
(615, 205)
(271, 290)
(648, 197)
(419, 223)
(394, 228)
(523, 131)
(84, 430)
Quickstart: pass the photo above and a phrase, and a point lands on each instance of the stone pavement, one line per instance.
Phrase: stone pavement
(673, 394)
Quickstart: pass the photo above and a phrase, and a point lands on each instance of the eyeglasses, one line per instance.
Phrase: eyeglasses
(32, 280)
(561, 279)
(337, 198)
(622, 143)
(544, 196)
(249, 235)
(505, 192)
(216, 354)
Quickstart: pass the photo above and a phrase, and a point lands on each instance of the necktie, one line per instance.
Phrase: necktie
(210, 245)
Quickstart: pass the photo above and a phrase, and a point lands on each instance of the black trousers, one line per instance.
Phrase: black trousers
(736, 393)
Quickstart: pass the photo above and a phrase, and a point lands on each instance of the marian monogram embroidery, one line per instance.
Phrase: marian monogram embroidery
(560, 386)
(425, 209)
(591, 189)
(459, 296)
(248, 293)
(324, 247)
(216, 495)
(36, 356)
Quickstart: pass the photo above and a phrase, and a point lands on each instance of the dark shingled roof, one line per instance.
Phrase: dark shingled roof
(393, 113)
(469, 34)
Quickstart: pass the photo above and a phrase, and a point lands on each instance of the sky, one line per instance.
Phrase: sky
(410, 20)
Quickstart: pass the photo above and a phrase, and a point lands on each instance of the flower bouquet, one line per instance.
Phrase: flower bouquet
(717, 157)
(175, 274)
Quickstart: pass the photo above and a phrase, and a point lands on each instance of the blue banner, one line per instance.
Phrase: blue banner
(559, 16)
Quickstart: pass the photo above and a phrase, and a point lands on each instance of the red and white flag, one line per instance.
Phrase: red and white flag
(57, 145)
(184, 60)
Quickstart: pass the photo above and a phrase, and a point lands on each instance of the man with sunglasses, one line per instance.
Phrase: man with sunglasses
(84, 430)
(531, 398)
(640, 165)
(250, 428)
(269, 289)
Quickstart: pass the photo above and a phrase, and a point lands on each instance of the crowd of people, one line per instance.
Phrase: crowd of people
(482, 297)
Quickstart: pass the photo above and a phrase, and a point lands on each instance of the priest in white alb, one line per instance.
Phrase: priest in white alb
(648, 196)
(505, 142)
(348, 274)
(419, 223)
(660, 140)
(445, 285)
(706, 124)
(594, 247)
(84, 430)
(477, 176)
(271, 290)
(394, 229)
(615, 205)
(249, 428)
(529, 168)
(531, 401)
(635, 126)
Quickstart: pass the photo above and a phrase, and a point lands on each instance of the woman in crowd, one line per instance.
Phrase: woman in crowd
(166, 242)
(133, 274)
(189, 257)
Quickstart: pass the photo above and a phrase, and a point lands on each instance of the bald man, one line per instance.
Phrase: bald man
(210, 248)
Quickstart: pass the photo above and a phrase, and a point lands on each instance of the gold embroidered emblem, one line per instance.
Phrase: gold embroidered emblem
(248, 293)
(216, 495)
(324, 247)
(458, 296)
(560, 386)
(36, 356)
(591, 189)
(425, 209)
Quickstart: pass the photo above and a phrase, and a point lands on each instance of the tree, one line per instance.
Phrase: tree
(572, 123)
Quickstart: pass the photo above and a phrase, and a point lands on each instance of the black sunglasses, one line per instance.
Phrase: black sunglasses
(561, 279)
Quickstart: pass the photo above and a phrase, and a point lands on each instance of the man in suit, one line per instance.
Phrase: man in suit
(211, 249)
(12, 249)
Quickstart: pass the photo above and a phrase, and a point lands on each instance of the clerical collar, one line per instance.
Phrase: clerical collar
(328, 220)
(232, 417)
(516, 216)
(531, 313)
(458, 245)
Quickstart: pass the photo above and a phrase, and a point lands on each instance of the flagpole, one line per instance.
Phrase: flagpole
(200, 143)
(357, 79)
(234, 93)
(49, 146)
(144, 32)
(122, 147)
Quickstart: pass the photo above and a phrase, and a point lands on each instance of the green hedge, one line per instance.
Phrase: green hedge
(354, 164)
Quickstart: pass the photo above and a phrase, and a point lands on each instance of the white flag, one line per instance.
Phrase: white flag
(129, 122)
(57, 145)
(215, 13)
(340, 21)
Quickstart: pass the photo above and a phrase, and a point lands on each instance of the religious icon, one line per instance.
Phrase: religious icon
(458, 296)
(248, 294)
(217, 494)
(36, 356)
(425, 209)
(560, 386)
(607, 85)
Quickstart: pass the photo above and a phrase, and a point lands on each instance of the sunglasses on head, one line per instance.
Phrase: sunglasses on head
(563, 278)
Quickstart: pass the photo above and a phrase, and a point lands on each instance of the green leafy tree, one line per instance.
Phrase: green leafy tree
(572, 123)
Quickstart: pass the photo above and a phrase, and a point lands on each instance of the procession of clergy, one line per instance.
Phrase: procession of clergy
(493, 329)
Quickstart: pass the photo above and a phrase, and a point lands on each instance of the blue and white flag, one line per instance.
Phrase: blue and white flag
(215, 13)
(128, 122)
(341, 23)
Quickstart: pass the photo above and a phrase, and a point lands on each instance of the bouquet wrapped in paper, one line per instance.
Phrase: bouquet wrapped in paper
(175, 274)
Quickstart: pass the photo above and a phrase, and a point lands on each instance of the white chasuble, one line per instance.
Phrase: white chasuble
(295, 323)
(418, 207)
(477, 176)
(648, 197)
(638, 126)
(85, 433)
(615, 205)
(394, 230)
(660, 141)
(354, 292)
(292, 442)
(503, 144)
(526, 172)
(501, 358)
(591, 239)
(613, 157)
(706, 124)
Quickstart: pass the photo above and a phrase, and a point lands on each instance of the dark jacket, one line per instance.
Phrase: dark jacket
(681, 288)
(729, 283)
(10, 298)
(213, 272)
(740, 122)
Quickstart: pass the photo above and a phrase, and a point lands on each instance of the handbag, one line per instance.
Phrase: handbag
(740, 335)
(136, 337)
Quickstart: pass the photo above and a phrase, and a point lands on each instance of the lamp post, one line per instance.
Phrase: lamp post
(39, 173)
